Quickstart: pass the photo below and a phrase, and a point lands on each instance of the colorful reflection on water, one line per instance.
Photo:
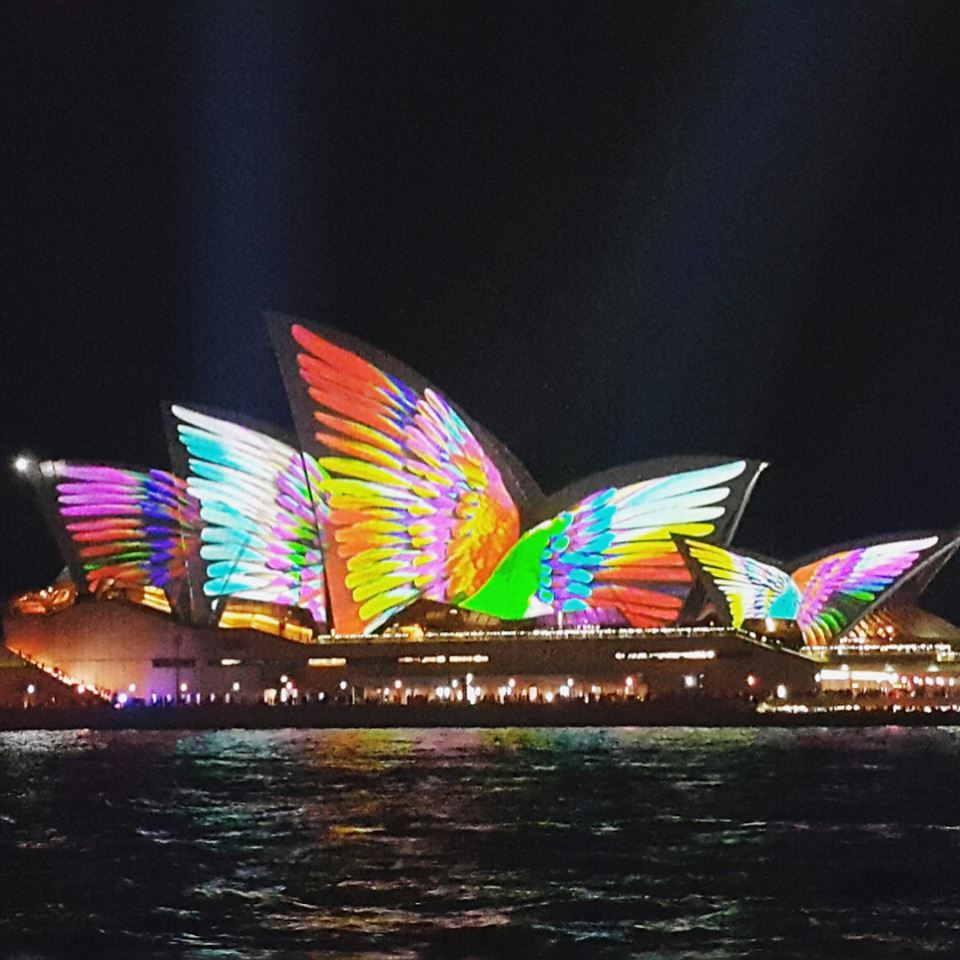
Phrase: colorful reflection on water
(680, 843)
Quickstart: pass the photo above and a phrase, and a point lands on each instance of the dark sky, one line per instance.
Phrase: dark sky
(608, 232)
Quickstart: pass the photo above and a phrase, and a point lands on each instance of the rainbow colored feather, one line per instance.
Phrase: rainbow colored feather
(128, 527)
(259, 532)
(416, 508)
(826, 597)
(612, 550)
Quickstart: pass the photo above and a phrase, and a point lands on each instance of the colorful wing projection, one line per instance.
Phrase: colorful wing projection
(826, 597)
(259, 532)
(125, 528)
(418, 508)
(840, 588)
(750, 589)
(612, 550)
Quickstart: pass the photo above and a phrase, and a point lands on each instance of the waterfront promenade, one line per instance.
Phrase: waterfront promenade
(665, 712)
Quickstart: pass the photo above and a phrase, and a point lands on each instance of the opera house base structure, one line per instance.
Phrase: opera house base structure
(123, 650)
(394, 551)
(124, 653)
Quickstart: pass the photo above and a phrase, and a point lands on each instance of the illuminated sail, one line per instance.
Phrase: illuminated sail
(259, 534)
(123, 529)
(826, 596)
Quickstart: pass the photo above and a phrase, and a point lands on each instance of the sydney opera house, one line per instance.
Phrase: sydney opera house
(394, 550)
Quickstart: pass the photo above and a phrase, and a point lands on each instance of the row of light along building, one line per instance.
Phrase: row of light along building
(393, 550)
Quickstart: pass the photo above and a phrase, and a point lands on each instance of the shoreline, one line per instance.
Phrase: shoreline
(655, 713)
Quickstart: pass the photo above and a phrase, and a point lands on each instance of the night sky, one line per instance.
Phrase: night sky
(609, 233)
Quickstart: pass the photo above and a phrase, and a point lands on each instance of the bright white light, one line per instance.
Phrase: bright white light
(284, 678)
(862, 676)
(343, 684)
(439, 693)
(569, 681)
(183, 688)
(31, 689)
(548, 696)
(132, 688)
(236, 685)
(511, 683)
(398, 684)
(781, 691)
(689, 681)
(629, 681)
(668, 655)
(121, 698)
(22, 463)
(469, 678)
(81, 688)
(564, 690)
(454, 683)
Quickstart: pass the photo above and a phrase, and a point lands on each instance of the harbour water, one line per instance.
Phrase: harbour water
(700, 844)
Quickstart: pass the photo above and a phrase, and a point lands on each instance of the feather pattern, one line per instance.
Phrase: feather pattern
(128, 526)
(825, 597)
(837, 589)
(416, 506)
(749, 586)
(612, 550)
(258, 497)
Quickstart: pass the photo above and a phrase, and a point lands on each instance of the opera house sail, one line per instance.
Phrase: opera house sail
(826, 595)
(122, 531)
(258, 506)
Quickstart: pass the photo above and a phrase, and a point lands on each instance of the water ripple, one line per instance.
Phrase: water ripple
(668, 844)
